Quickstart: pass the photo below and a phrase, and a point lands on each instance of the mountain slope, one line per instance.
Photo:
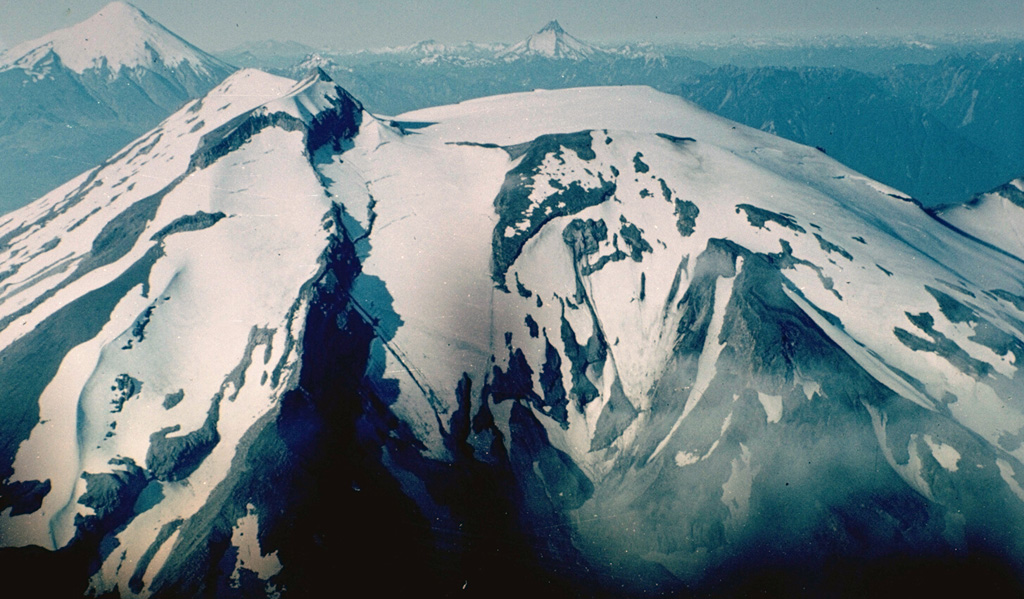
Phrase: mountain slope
(996, 217)
(76, 95)
(597, 337)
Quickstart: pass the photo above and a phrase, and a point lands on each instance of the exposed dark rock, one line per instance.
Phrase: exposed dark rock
(138, 333)
(1016, 300)
(786, 260)
(830, 247)
(951, 308)
(120, 235)
(531, 324)
(340, 407)
(191, 222)
(639, 165)
(633, 237)
(677, 140)
(23, 497)
(173, 399)
(548, 474)
(941, 345)
(615, 418)
(175, 458)
(236, 378)
(126, 387)
(514, 383)
(112, 496)
(686, 216)
(513, 202)
(757, 217)
(168, 529)
(582, 358)
(584, 237)
(328, 127)
(26, 371)
(522, 290)
(665, 191)
(113, 242)
(586, 270)
(555, 403)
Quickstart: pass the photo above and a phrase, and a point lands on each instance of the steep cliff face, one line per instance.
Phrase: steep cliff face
(597, 337)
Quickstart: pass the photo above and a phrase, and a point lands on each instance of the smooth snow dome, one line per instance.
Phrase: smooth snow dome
(139, 42)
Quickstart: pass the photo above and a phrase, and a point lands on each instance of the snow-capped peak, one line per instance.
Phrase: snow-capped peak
(119, 35)
(551, 42)
(553, 27)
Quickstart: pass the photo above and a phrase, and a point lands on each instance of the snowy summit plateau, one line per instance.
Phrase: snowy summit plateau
(585, 342)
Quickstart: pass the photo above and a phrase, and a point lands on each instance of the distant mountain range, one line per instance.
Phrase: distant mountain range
(940, 131)
(890, 127)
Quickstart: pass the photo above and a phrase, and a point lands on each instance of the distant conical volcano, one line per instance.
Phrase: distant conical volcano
(118, 36)
(551, 42)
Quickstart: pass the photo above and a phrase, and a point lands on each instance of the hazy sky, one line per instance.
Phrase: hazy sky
(348, 24)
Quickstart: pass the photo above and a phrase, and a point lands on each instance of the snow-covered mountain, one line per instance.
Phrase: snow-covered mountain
(118, 37)
(551, 42)
(587, 341)
(996, 217)
(73, 97)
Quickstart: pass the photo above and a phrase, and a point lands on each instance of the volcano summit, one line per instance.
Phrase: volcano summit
(591, 341)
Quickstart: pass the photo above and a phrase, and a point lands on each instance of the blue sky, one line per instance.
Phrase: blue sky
(348, 24)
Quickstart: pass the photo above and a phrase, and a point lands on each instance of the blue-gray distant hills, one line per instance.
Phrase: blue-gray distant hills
(941, 133)
(73, 97)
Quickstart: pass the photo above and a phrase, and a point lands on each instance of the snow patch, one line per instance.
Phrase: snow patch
(736, 490)
(946, 455)
(1008, 474)
(772, 406)
(685, 458)
(245, 537)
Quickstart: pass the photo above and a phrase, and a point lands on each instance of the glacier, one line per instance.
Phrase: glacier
(593, 341)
